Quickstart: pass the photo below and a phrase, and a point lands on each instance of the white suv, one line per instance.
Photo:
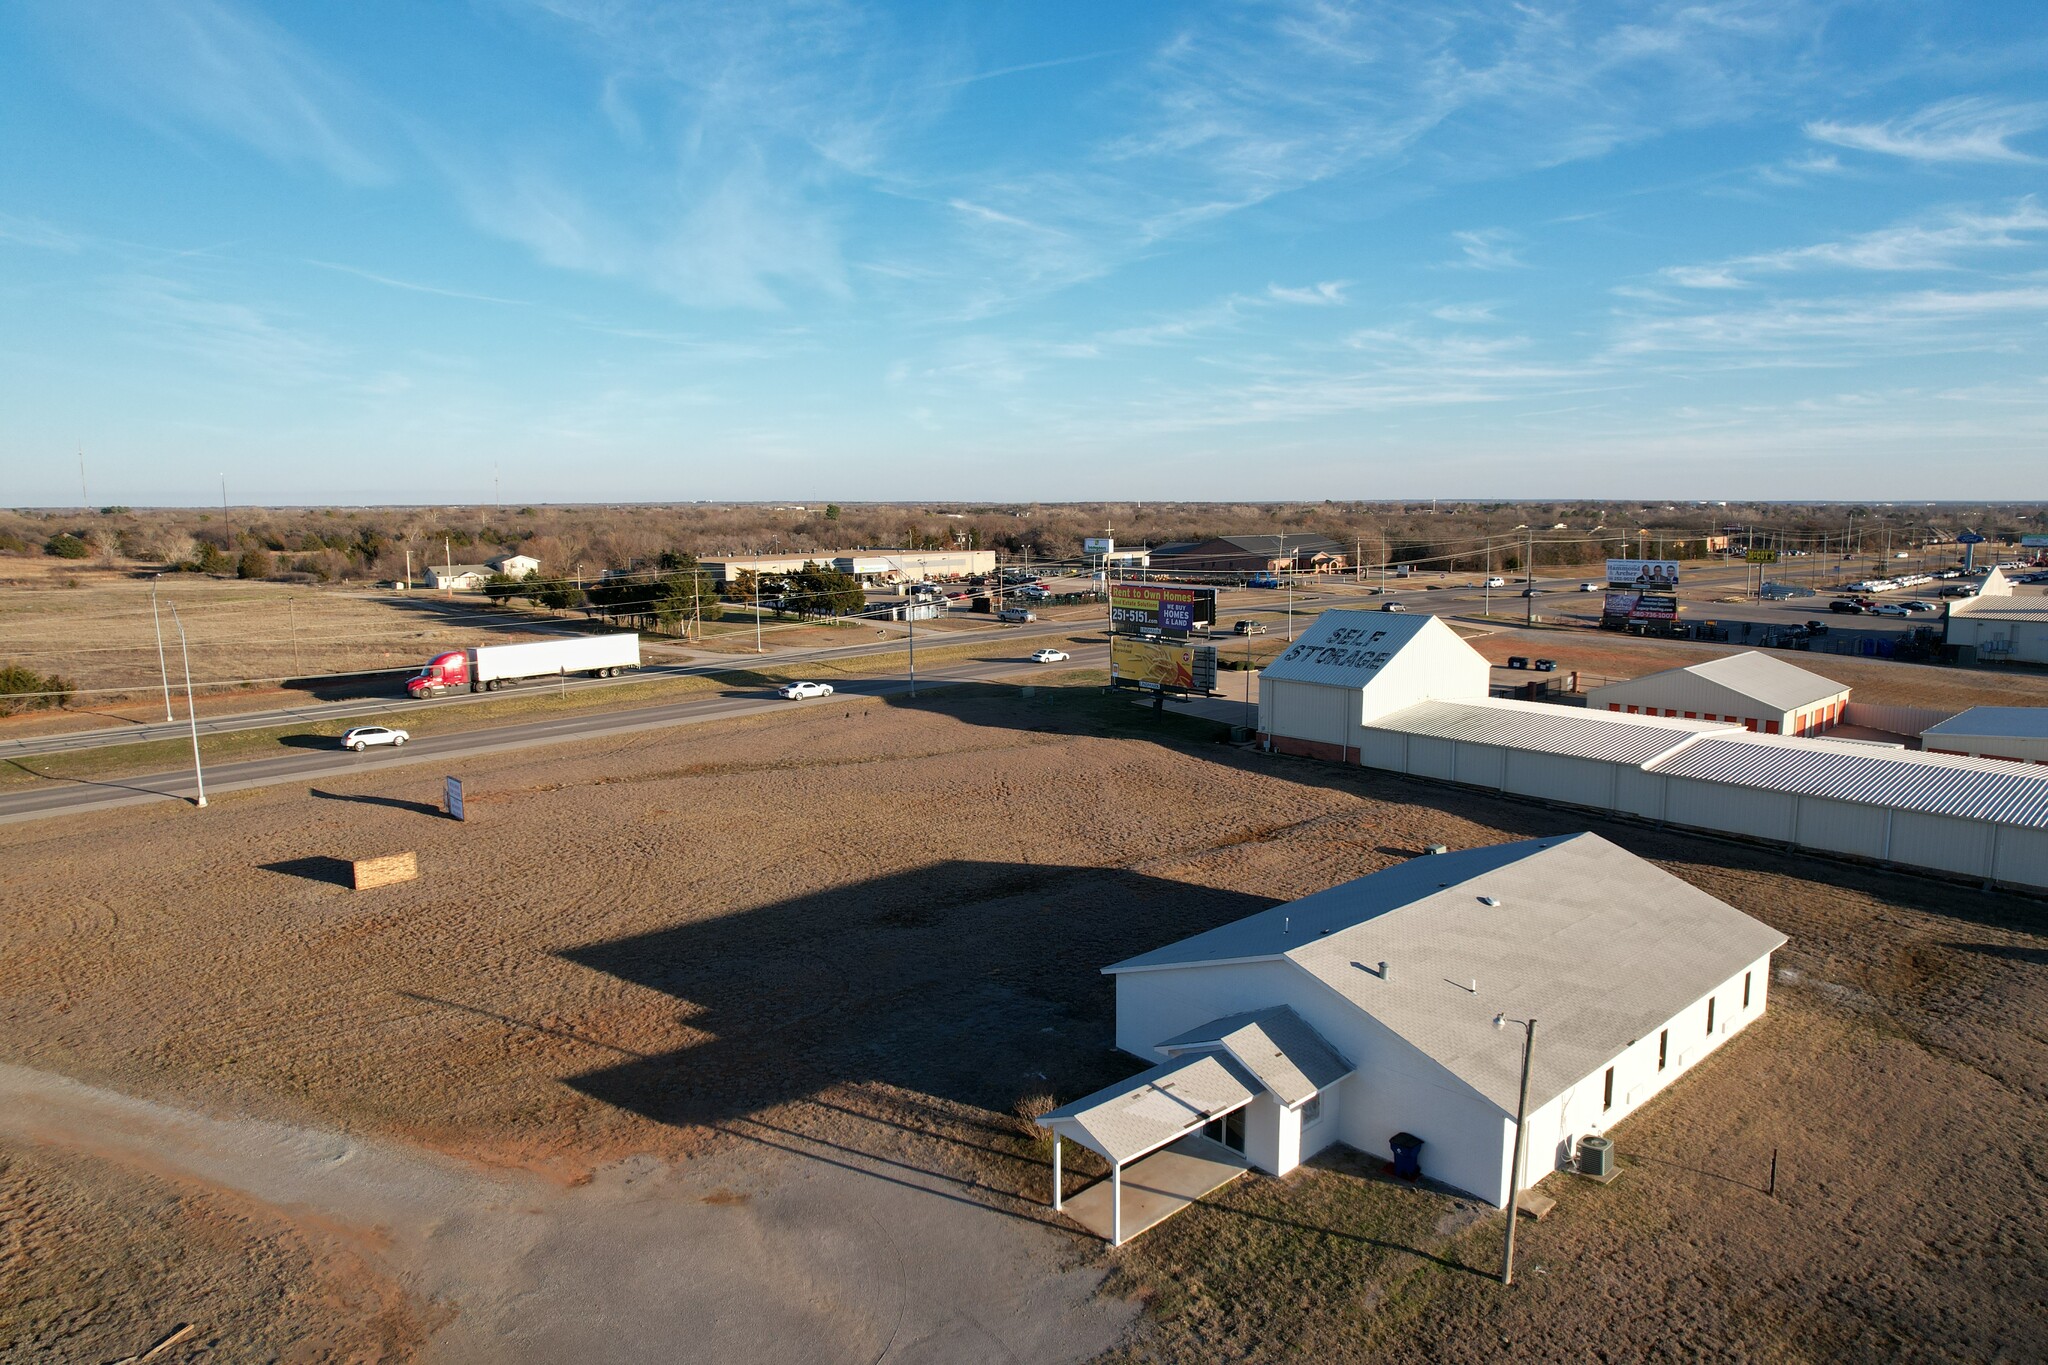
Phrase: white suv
(363, 736)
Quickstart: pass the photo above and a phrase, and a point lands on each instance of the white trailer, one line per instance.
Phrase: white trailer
(598, 656)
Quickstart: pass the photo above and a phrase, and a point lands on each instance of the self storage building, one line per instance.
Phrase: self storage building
(1759, 692)
(2018, 734)
(1366, 1015)
(1350, 666)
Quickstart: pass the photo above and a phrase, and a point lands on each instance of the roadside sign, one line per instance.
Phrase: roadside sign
(1969, 538)
(452, 787)
(1762, 556)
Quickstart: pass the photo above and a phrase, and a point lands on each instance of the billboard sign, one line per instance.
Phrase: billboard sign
(1162, 665)
(1098, 545)
(1969, 538)
(1641, 592)
(2034, 542)
(1657, 574)
(1157, 606)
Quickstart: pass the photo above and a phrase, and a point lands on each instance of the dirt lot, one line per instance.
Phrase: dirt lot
(805, 962)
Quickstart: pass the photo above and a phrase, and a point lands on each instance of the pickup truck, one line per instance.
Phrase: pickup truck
(1017, 616)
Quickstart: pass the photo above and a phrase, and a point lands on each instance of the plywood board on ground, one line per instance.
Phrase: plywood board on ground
(374, 872)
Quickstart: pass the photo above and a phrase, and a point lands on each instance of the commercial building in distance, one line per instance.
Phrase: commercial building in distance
(870, 566)
(1365, 1014)
(2016, 733)
(1999, 625)
(1253, 554)
(1760, 692)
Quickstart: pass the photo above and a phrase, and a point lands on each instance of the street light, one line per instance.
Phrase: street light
(1507, 1256)
(191, 712)
(161, 669)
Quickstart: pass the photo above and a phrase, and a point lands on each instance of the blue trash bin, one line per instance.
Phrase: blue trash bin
(1407, 1155)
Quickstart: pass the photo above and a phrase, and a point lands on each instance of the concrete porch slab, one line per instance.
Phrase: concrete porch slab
(1158, 1186)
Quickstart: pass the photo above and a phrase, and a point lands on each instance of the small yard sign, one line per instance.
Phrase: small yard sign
(453, 786)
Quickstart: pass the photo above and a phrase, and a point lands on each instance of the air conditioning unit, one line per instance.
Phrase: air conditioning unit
(1596, 1157)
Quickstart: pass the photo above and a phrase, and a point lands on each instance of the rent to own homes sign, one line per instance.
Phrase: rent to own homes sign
(1157, 606)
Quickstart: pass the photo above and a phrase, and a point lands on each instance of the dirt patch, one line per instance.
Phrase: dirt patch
(860, 935)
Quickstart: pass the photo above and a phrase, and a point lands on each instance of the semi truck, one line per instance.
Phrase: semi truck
(486, 668)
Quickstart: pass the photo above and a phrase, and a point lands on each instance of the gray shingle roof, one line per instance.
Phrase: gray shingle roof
(1597, 944)
(1276, 1045)
(1127, 1120)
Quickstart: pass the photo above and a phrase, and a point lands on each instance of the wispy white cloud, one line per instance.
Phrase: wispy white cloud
(34, 232)
(1314, 295)
(1968, 129)
(411, 286)
(1941, 243)
(201, 65)
(1464, 313)
(241, 339)
(1844, 330)
(1489, 249)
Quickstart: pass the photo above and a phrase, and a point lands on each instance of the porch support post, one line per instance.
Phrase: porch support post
(1116, 1204)
(1055, 1171)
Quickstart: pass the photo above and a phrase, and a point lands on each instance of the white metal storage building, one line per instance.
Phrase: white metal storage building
(1350, 666)
(2000, 627)
(2015, 733)
(1973, 817)
(1368, 1010)
(1758, 691)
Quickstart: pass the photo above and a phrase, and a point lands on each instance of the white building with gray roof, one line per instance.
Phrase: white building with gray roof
(1760, 692)
(1367, 1011)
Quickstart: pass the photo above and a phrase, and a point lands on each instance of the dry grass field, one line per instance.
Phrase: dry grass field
(853, 939)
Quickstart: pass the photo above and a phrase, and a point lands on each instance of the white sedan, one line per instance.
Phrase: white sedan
(798, 691)
(363, 736)
(1051, 656)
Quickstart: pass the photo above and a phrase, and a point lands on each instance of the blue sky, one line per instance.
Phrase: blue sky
(385, 251)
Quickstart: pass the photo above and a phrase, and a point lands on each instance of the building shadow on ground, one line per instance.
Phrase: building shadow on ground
(967, 982)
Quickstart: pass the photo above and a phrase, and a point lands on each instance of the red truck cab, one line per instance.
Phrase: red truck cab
(442, 673)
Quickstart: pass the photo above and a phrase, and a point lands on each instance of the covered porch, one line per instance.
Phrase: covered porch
(1139, 1197)
(1149, 1129)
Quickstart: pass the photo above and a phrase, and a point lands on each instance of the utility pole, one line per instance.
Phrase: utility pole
(1529, 576)
(191, 711)
(84, 499)
(757, 611)
(1487, 608)
(408, 569)
(910, 615)
(292, 609)
(226, 520)
(1507, 1256)
(448, 558)
(161, 669)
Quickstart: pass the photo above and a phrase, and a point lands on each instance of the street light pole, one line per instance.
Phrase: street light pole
(161, 669)
(1507, 1256)
(910, 614)
(191, 712)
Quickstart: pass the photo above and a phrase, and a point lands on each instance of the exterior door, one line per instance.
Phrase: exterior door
(1228, 1130)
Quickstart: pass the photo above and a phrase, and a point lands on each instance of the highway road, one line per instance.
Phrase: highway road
(387, 705)
(67, 797)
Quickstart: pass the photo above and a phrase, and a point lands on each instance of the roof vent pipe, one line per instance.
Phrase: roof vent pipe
(1383, 971)
(1489, 900)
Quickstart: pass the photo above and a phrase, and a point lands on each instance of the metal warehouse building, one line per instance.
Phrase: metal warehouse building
(1999, 625)
(2018, 734)
(1759, 692)
(1350, 666)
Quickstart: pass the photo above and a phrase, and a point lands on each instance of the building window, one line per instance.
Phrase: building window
(1745, 990)
(1311, 1110)
(1710, 1016)
(1607, 1096)
(1663, 1047)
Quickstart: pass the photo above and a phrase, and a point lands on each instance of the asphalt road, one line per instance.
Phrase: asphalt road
(64, 796)
(387, 704)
